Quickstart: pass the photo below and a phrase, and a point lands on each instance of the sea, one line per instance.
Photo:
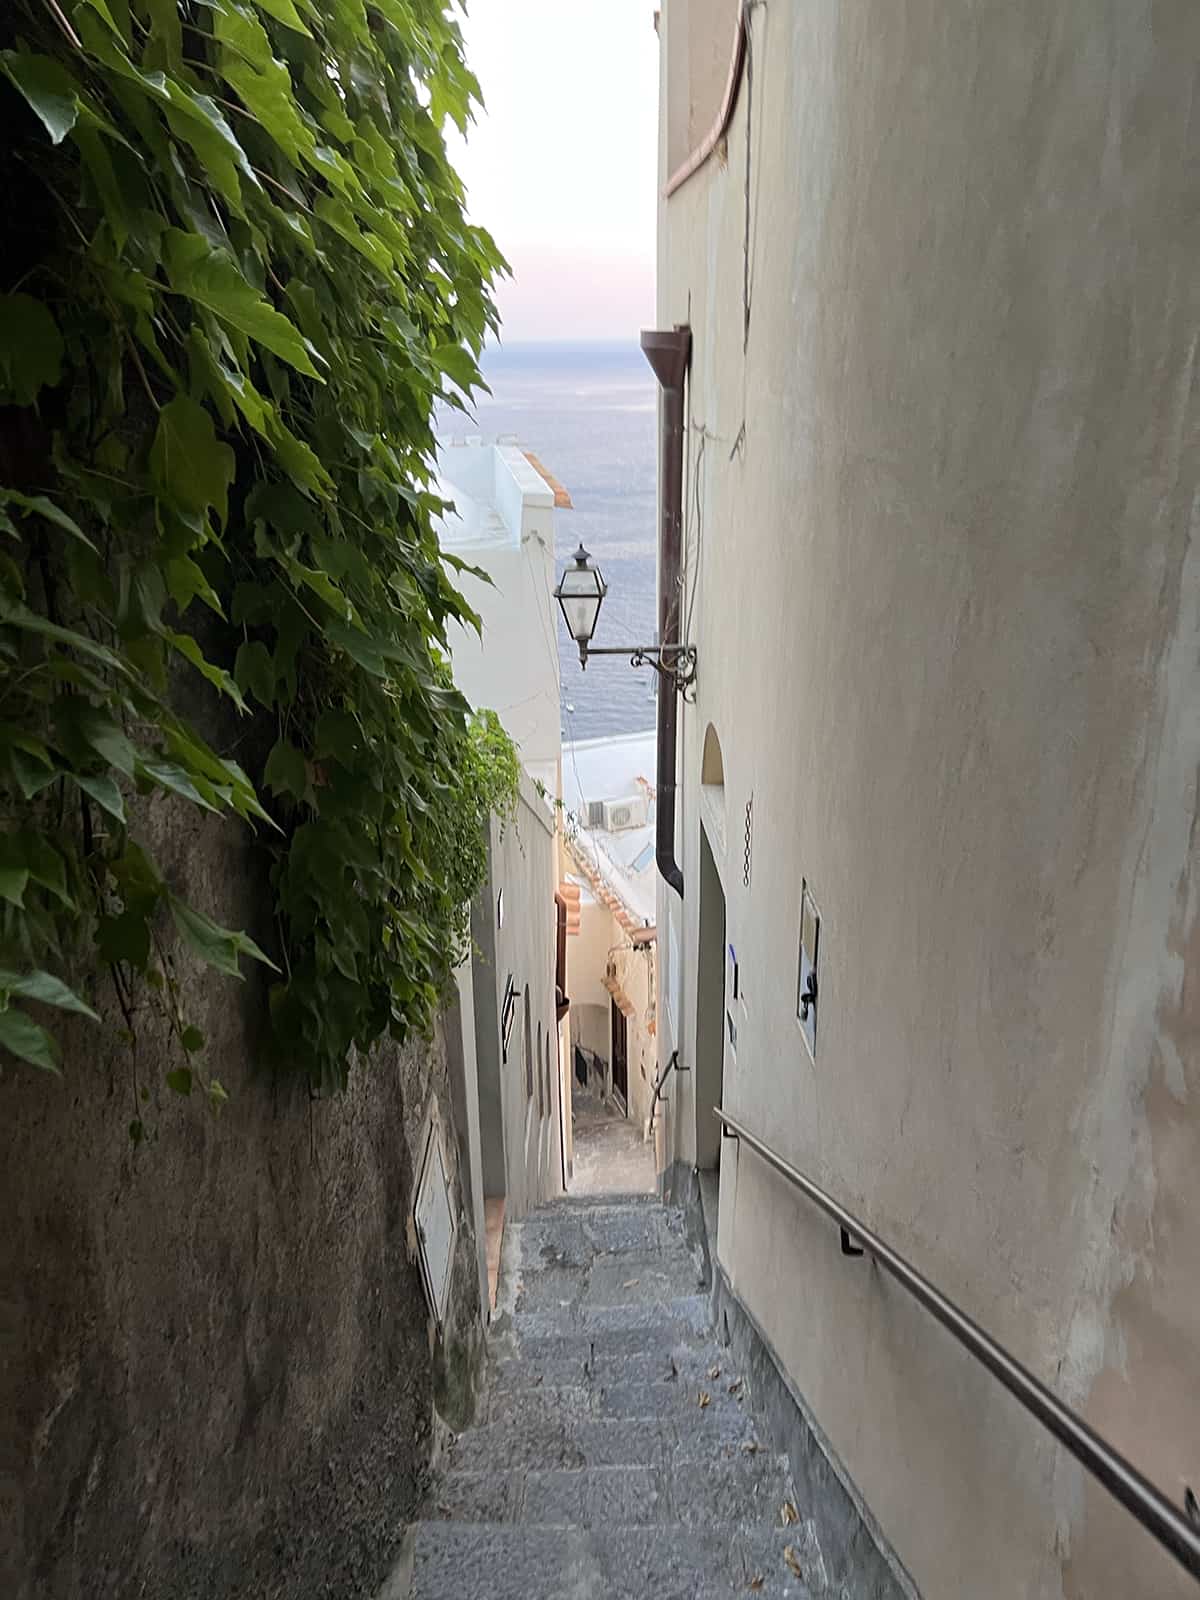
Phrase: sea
(588, 411)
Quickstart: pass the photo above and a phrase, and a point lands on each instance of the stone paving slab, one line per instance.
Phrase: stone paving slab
(485, 1561)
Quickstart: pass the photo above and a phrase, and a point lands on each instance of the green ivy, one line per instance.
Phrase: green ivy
(237, 279)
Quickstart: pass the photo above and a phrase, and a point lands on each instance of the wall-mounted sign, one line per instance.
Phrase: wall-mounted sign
(435, 1223)
(507, 1012)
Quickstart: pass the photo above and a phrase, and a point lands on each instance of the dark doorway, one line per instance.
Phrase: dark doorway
(710, 1009)
(620, 1057)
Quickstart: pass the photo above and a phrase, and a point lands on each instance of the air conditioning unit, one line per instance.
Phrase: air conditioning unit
(595, 813)
(633, 812)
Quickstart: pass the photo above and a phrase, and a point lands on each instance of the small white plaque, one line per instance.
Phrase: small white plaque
(435, 1224)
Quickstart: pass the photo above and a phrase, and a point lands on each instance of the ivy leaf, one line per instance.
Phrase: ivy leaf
(219, 947)
(285, 11)
(456, 363)
(20, 616)
(44, 986)
(217, 676)
(286, 771)
(192, 1040)
(48, 89)
(46, 866)
(31, 349)
(186, 580)
(212, 279)
(180, 1080)
(168, 776)
(254, 670)
(23, 1036)
(104, 792)
(84, 727)
(14, 872)
(46, 507)
(188, 463)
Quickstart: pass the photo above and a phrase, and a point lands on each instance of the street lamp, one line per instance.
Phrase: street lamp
(579, 593)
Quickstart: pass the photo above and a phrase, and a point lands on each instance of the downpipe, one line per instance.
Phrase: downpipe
(668, 351)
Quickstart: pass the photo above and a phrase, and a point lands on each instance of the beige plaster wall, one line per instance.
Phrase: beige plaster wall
(943, 530)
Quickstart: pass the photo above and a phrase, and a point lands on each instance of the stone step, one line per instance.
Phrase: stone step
(540, 1350)
(645, 1323)
(578, 1237)
(498, 1561)
(639, 1279)
(750, 1489)
(590, 1441)
(669, 1363)
(609, 1200)
(694, 1391)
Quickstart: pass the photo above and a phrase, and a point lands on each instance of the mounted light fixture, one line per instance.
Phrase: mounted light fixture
(579, 593)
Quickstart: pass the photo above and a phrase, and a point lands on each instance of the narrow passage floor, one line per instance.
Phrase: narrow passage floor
(614, 1456)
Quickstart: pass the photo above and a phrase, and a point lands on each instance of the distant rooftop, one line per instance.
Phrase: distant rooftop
(617, 769)
(562, 498)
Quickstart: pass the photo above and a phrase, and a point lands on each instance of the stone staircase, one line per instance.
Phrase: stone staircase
(614, 1455)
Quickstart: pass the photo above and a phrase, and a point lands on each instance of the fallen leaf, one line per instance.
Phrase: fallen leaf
(735, 1386)
(632, 1284)
(756, 1582)
(793, 1560)
(674, 1370)
(789, 1513)
(714, 1373)
(750, 1448)
(705, 1399)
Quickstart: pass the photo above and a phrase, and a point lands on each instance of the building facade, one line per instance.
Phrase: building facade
(513, 1001)
(609, 883)
(942, 571)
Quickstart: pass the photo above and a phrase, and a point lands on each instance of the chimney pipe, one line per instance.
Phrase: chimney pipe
(668, 352)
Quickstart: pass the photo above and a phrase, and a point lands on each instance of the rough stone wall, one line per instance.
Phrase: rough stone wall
(217, 1374)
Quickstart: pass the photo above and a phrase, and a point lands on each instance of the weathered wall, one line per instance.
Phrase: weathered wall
(523, 857)
(601, 940)
(942, 489)
(217, 1377)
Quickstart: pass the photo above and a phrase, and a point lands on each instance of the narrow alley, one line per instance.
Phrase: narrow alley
(614, 1452)
(611, 1156)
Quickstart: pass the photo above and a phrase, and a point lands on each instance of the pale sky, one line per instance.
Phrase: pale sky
(561, 167)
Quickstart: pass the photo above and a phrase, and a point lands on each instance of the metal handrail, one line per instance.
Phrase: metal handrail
(660, 1081)
(1158, 1515)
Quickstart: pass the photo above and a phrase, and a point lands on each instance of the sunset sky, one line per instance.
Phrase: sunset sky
(562, 165)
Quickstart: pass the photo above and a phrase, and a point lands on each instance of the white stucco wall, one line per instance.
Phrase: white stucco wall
(524, 869)
(503, 523)
(948, 621)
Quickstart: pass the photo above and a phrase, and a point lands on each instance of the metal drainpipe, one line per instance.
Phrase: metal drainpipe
(668, 352)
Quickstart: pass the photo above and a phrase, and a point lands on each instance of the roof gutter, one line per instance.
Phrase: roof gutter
(668, 352)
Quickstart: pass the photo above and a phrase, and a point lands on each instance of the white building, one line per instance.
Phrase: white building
(514, 1092)
(502, 522)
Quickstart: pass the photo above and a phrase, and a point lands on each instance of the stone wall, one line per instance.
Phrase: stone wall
(218, 1374)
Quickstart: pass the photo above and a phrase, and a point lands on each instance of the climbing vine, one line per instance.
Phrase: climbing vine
(237, 278)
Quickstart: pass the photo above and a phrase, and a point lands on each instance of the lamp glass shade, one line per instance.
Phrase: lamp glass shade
(579, 593)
